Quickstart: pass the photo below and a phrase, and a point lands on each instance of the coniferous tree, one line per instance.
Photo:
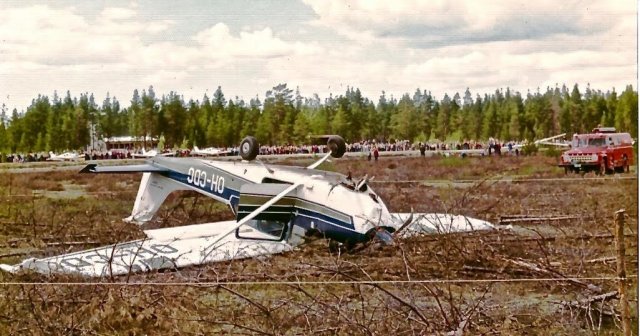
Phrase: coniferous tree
(4, 141)
(285, 117)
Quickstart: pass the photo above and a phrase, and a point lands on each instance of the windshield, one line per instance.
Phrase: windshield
(274, 229)
(587, 142)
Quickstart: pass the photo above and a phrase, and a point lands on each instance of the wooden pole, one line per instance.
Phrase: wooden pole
(622, 274)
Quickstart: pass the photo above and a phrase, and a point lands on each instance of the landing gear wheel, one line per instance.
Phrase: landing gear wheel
(249, 148)
(337, 146)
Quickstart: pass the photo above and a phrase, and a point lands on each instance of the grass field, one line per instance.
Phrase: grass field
(538, 274)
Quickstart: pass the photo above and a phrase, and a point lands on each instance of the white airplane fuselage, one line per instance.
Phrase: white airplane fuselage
(326, 202)
(295, 200)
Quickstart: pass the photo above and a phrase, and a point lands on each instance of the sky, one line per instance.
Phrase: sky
(320, 46)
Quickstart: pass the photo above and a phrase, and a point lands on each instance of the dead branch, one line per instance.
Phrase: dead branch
(253, 303)
(509, 220)
(586, 304)
(547, 272)
(73, 243)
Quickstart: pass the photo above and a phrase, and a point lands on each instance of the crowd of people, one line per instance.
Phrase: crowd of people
(370, 148)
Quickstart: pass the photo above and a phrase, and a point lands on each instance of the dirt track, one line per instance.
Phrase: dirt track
(511, 281)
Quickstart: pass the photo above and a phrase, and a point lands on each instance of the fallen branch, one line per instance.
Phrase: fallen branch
(585, 304)
(547, 272)
(15, 254)
(73, 243)
(510, 219)
(580, 237)
(603, 260)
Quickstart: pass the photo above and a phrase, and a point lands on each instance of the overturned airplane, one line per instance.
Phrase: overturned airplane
(277, 207)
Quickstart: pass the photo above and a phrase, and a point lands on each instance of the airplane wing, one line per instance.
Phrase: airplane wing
(439, 223)
(167, 248)
(448, 152)
(170, 248)
(558, 144)
(550, 138)
(143, 168)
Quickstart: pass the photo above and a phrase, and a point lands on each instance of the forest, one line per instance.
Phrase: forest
(285, 117)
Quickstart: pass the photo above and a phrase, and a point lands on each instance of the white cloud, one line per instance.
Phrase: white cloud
(220, 43)
(76, 53)
(117, 13)
(442, 46)
(443, 22)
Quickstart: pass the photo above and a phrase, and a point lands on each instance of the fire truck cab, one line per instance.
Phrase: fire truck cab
(603, 151)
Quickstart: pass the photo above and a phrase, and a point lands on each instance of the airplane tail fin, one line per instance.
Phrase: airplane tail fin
(154, 187)
(195, 148)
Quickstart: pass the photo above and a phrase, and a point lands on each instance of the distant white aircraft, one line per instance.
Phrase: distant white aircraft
(211, 151)
(548, 141)
(149, 154)
(485, 151)
(66, 156)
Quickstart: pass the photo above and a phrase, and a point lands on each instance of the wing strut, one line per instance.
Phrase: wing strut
(319, 162)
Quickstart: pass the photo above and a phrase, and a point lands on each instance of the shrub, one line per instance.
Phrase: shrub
(529, 149)
(553, 152)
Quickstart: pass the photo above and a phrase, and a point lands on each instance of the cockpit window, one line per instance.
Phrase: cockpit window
(272, 180)
(262, 229)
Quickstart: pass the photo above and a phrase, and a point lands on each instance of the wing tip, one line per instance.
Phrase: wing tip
(90, 168)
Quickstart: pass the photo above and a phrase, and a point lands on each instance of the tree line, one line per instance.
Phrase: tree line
(285, 117)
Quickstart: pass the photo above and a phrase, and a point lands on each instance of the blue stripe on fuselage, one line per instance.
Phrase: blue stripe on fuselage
(329, 229)
(329, 226)
(228, 195)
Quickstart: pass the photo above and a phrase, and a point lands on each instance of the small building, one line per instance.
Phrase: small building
(124, 144)
(130, 143)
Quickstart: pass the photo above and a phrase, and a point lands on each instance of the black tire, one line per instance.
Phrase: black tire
(337, 146)
(249, 148)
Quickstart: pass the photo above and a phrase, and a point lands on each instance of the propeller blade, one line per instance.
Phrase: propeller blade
(384, 236)
(405, 224)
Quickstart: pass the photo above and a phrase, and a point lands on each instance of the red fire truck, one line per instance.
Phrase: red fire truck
(604, 151)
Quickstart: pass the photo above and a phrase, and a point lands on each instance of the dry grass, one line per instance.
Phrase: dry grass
(559, 248)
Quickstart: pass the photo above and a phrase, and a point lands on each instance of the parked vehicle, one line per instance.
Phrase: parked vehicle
(604, 151)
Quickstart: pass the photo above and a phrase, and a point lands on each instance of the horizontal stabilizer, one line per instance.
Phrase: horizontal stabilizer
(142, 168)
